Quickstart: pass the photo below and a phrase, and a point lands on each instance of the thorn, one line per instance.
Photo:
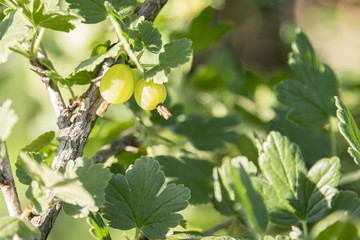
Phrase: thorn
(163, 111)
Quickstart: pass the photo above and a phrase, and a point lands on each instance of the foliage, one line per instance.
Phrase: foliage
(261, 156)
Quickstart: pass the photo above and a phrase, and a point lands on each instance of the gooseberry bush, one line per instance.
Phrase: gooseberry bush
(204, 143)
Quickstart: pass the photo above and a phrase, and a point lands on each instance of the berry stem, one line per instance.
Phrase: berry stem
(163, 111)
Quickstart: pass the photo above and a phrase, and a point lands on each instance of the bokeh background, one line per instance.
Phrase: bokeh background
(240, 54)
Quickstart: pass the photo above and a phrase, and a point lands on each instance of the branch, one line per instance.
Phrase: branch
(7, 184)
(125, 142)
(73, 135)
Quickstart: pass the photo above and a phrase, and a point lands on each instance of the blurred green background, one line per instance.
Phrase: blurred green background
(240, 53)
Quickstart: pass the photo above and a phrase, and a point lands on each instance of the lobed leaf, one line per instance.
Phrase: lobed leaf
(299, 195)
(9, 226)
(94, 11)
(136, 200)
(346, 201)
(98, 229)
(176, 53)
(147, 37)
(195, 174)
(8, 118)
(348, 129)
(94, 178)
(21, 174)
(311, 99)
(12, 31)
(207, 134)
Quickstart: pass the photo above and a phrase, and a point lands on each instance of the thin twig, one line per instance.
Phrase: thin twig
(218, 227)
(7, 184)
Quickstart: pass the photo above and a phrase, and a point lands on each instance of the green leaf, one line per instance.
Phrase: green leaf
(137, 200)
(21, 174)
(208, 134)
(91, 63)
(203, 32)
(175, 53)
(251, 200)
(222, 200)
(346, 201)
(147, 37)
(68, 190)
(195, 174)
(9, 226)
(94, 11)
(40, 13)
(337, 225)
(12, 31)
(8, 118)
(98, 229)
(348, 129)
(300, 196)
(311, 100)
(38, 197)
(40, 142)
(94, 178)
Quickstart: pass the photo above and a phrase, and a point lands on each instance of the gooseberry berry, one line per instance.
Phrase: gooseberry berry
(149, 95)
(117, 84)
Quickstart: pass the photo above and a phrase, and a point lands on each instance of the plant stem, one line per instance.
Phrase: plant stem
(305, 230)
(25, 54)
(123, 40)
(350, 178)
(72, 93)
(220, 226)
(332, 124)
(38, 40)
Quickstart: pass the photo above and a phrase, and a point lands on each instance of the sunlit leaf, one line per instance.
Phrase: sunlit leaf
(176, 52)
(98, 230)
(42, 141)
(8, 118)
(38, 197)
(346, 201)
(147, 37)
(9, 226)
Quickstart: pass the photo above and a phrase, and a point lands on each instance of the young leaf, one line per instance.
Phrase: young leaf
(40, 13)
(193, 173)
(38, 197)
(349, 129)
(337, 225)
(12, 30)
(94, 178)
(311, 99)
(176, 53)
(147, 37)
(91, 63)
(42, 141)
(137, 200)
(94, 11)
(300, 196)
(68, 190)
(8, 118)
(208, 134)
(9, 226)
(98, 229)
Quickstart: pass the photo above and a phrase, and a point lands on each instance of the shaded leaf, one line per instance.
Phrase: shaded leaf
(68, 190)
(348, 129)
(222, 200)
(136, 200)
(252, 202)
(311, 99)
(207, 134)
(98, 229)
(21, 174)
(346, 201)
(147, 37)
(94, 11)
(8, 118)
(9, 226)
(94, 178)
(42, 141)
(195, 174)
(12, 30)
(157, 74)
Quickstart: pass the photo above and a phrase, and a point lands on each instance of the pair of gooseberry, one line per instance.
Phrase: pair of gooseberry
(118, 84)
